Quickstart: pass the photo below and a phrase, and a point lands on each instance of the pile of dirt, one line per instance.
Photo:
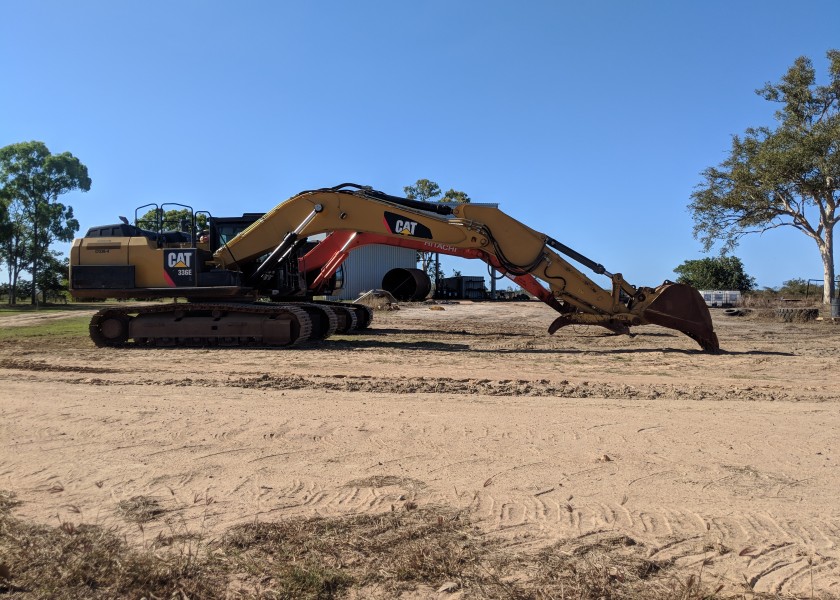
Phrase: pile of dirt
(378, 300)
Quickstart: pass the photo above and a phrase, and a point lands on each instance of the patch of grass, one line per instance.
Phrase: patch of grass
(7, 310)
(8, 500)
(140, 509)
(397, 551)
(87, 561)
(613, 568)
(380, 481)
(73, 327)
(318, 558)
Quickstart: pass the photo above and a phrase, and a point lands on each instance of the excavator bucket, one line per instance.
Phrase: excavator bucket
(681, 307)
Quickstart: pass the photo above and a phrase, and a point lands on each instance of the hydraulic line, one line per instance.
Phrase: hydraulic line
(508, 265)
(368, 192)
(285, 245)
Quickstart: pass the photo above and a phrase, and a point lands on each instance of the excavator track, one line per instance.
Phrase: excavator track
(221, 323)
(364, 315)
(352, 317)
(212, 324)
(325, 320)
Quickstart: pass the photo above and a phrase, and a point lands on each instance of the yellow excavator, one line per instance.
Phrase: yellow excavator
(250, 280)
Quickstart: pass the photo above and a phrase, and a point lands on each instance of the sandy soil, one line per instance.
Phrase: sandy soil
(727, 464)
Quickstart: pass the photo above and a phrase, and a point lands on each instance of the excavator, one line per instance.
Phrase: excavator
(252, 280)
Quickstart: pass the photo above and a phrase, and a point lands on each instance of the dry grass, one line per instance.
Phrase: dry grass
(140, 509)
(87, 561)
(8, 500)
(382, 556)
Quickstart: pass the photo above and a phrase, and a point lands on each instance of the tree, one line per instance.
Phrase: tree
(721, 273)
(455, 196)
(32, 178)
(424, 190)
(7, 231)
(173, 220)
(797, 287)
(15, 247)
(783, 176)
(52, 278)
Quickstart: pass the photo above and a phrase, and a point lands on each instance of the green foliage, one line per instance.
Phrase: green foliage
(783, 176)
(793, 287)
(31, 180)
(424, 190)
(15, 246)
(800, 287)
(52, 278)
(172, 220)
(455, 196)
(721, 273)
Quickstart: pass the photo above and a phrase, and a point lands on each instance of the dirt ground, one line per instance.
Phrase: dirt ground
(728, 464)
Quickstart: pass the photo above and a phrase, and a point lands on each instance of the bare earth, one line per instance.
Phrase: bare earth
(731, 460)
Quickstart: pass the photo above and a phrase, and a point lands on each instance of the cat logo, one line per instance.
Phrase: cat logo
(403, 226)
(178, 260)
(179, 267)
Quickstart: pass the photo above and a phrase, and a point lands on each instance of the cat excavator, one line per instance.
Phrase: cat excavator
(251, 280)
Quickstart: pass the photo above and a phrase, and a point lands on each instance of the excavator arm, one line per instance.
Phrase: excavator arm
(473, 231)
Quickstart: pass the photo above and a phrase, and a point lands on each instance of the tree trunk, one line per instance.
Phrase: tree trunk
(13, 289)
(827, 253)
(35, 258)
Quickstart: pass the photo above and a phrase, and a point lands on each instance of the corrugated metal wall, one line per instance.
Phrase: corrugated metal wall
(366, 265)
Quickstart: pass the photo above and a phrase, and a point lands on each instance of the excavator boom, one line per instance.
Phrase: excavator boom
(360, 215)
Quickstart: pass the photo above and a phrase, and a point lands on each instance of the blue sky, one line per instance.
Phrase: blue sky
(589, 121)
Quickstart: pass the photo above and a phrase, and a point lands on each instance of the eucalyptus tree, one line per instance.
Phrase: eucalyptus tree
(782, 176)
(423, 190)
(455, 196)
(33, 178)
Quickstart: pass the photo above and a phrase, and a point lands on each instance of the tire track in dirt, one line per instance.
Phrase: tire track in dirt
(774, 558)
(445, 385)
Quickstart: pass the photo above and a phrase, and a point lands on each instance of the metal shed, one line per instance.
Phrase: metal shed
(367, 265)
